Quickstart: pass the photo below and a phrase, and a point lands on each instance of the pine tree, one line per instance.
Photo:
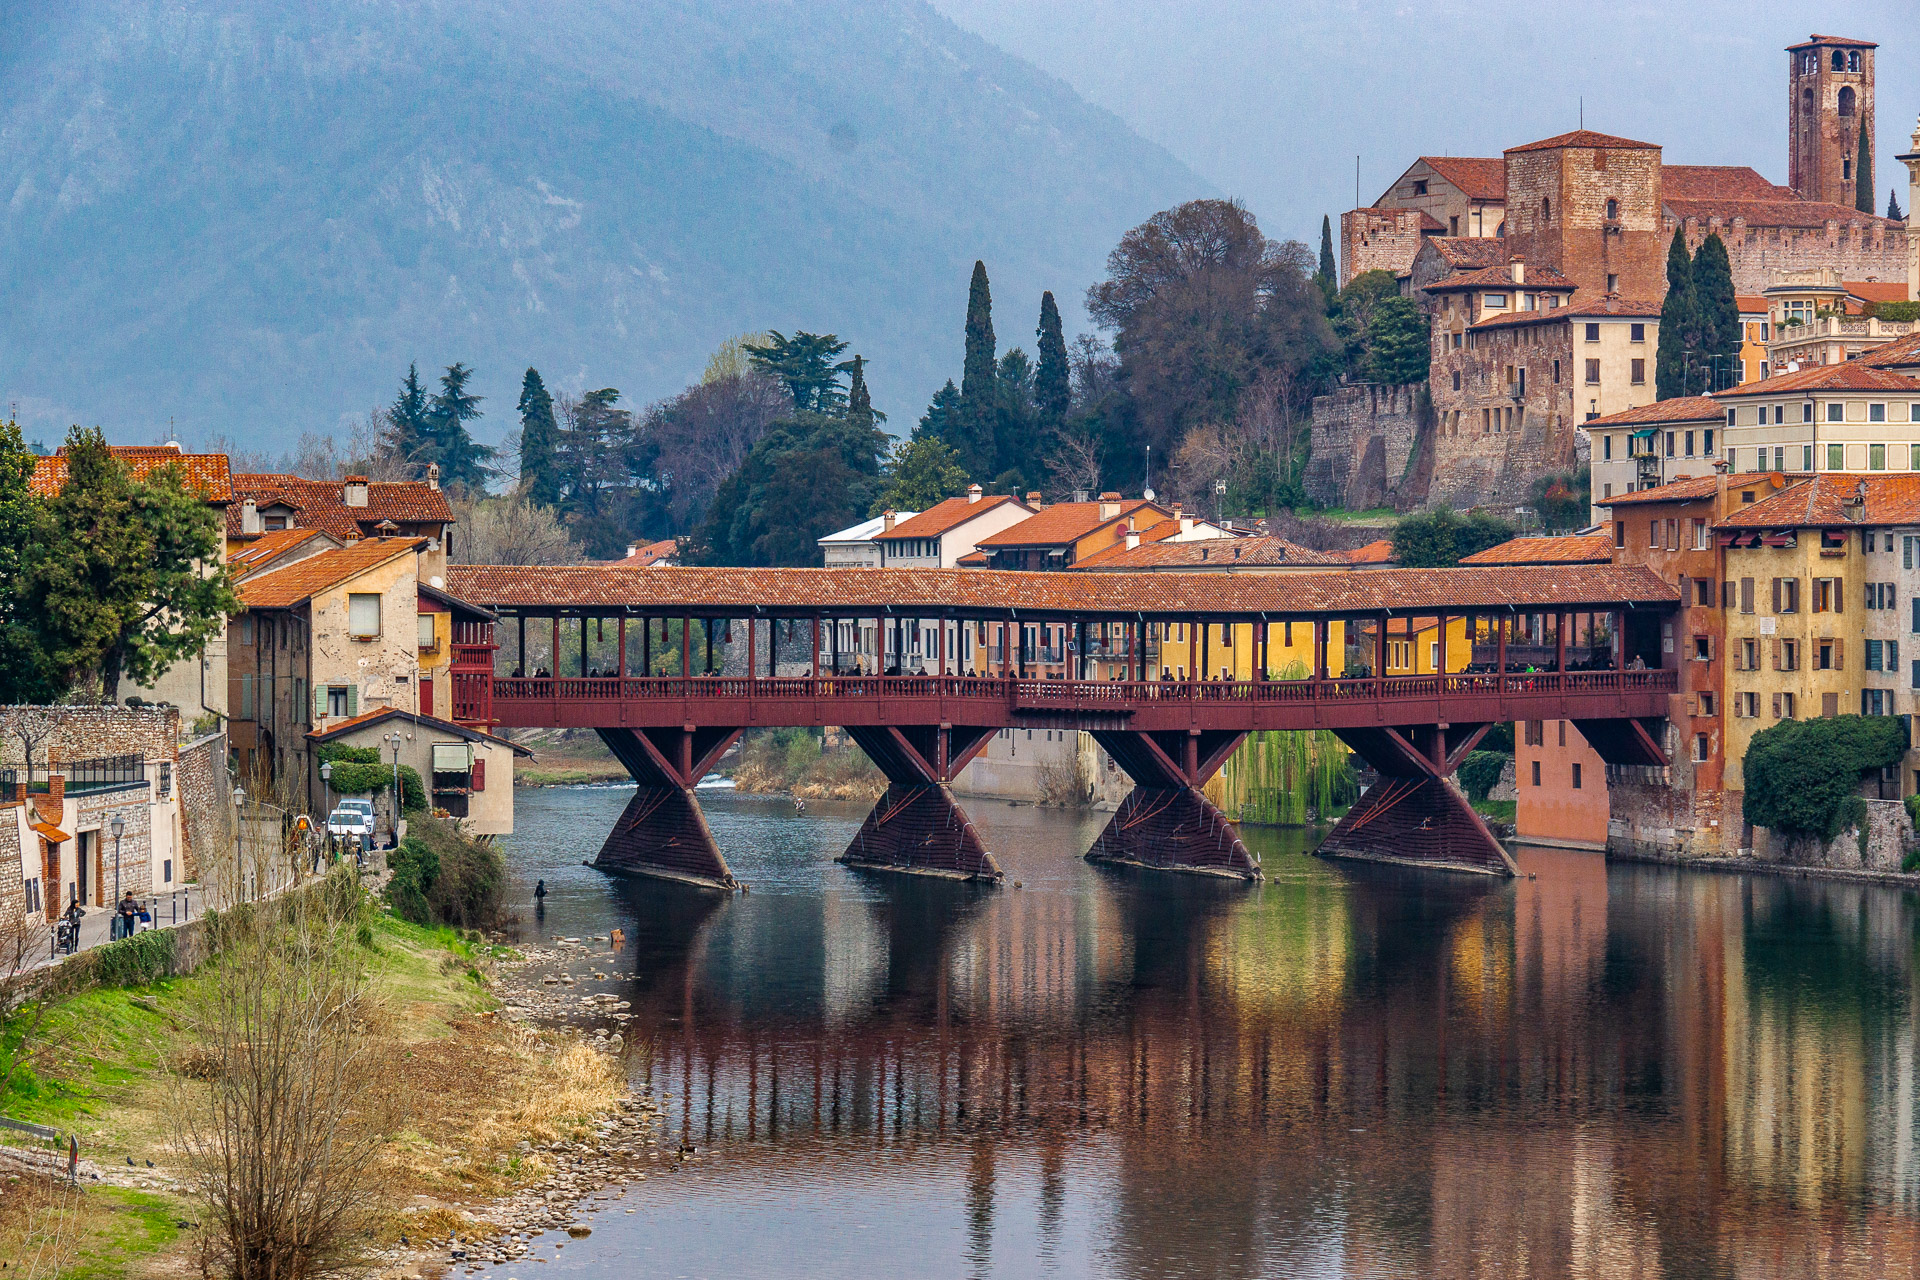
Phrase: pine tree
(24, 671)
(1719, 312)
(944, 419)
(1052, 381)
(978, 395)
(859, 403)
(409, 435)
(463, 460)
(1679, 322)
(804, 364)
(1863, 172)
(1893, 206)
(1328, 276)
(538, 475)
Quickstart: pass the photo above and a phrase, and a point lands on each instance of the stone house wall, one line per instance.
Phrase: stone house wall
(206, 803)
(1879, 845)
(14, 837)
(1362, 440)
(90, 732)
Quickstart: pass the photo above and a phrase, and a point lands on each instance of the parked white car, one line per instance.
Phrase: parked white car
(352, 822)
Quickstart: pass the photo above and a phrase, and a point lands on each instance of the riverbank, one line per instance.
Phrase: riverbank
(510, 1115)
(1737, 864)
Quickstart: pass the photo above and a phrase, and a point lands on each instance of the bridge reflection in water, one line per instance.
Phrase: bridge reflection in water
(1596, 1072)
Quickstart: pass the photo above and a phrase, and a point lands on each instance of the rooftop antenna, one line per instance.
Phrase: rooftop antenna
(1356, 182)
(1583, 111)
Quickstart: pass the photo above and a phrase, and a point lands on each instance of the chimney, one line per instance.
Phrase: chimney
(354, 492)
(1133, 536)
(433, 475)
(886, 521)
(973, 493)
(1517, 268)
(249, 516)
(633, 549)
(1034, 500)
(56, 785)
(1109, 505)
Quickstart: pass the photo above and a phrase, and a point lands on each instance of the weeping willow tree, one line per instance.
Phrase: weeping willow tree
(1277, 779)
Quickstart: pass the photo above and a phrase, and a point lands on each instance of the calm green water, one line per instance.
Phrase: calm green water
(1345, 1071)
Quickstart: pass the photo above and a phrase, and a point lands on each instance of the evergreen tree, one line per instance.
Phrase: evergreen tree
(24, 671)
(1679, 323)
(919, 473)
(1052, 379)
(1401, 344)
(805, 366)
(463, 460)
(1863, 172)
(539, 476)
(1893, 206)
(1719, 313)
(1328, 275)
(1017, 443)
(409, 435)
(978, 393)
(944, 419)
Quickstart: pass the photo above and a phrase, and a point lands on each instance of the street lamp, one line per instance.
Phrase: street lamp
(326, 783)
(118, 825)
(239, 819)
(393, 740)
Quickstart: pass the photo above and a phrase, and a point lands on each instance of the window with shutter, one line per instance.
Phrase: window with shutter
(1829, 705)
(363, 614)
(1839, 595)
(353, 701)
(246, 697)
(1776, 654)
(1839, 655)
(1915, 674)
(479, 782)
(319, 701)
(1776, 703)
(1746, 595)
(1776, 595)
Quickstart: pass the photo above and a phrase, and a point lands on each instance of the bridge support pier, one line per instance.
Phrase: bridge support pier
(1413, 816)
(1165, 823)
(663, 833)
(917, 827)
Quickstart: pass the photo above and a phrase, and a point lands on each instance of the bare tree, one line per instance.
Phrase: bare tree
(511, 530)
(698, 438)
(281, 1144)
(29, 726)
(1074, 461)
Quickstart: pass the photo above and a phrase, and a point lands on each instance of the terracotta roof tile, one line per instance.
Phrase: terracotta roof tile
(1818, 500)
(1062, 523)
(1850, 375)
(970, 591)
(273, 544)
(1686, 490)
(1541, 279)
(365, 718)
(942, 516)
(1379, 551)
(1477, 177)
(1470, 252)
(1774, 213)
(1812, 40)
(300, 581)
(646, 555)
(206, 472)
(1750, 304)
(1717, 182)
(1585, 138)
(1877, 290)
(1213, 554)
(1898, 354)
(322, 504)
(1678, 409)
(1592, 548)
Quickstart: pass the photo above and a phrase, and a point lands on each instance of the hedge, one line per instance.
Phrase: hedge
(1804, 775)
(353, 778)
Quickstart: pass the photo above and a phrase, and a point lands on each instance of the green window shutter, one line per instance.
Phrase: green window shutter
(246, 697)
(319, 702)
(299, 694)
(353, 701)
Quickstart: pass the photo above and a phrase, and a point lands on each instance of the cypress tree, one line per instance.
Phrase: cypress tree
(1719, 311)
(978, 390)
(1893, 206)
(859, 403)
(1679, 322)
(1052, 385)
(1329, 273)
(538, 475)
(1863, 171)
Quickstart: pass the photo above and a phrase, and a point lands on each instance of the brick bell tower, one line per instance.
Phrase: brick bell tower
(1829, 95)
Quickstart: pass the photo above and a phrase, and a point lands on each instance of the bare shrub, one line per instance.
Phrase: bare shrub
(282, 1143)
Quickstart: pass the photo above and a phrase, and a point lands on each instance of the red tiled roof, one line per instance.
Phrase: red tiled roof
(300, 581)
(1773, 213)
(942, 516)
(1900, 353)
(1379, 551)
(206, 472)
(1585, 138)
(271, 544)
(1717, 182)
(1817, 502)
(1877, 290)
(646, 555)
(322, 504)
(1750, 304)
(735, 590)
(1541, 279)
(1849, 375)
(1812, 40)
(1207, 553)
(1063, 523)
(1612, 304)
(1478, 177)
(1470, 252)
(1684, 490)
(365, 718)
(1592, 548)
(972, 560)
(1678, 409)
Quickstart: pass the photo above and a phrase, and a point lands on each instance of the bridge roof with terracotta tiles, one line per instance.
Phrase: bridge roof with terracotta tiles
(984, 593)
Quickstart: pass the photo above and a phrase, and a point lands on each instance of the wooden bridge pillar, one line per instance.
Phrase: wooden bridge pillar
(917, 826)
(663, 833)
(1412, 815)
(1165, 823)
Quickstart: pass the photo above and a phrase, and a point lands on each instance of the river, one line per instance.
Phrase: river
(1347, 1070)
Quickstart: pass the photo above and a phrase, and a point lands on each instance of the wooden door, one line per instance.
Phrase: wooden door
(426, 696)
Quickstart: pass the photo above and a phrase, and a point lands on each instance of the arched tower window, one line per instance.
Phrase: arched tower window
(1546, 210)
(1846, 169)
(1839, 60)
(1853, 60)
(1846, 100)
(1613, 209)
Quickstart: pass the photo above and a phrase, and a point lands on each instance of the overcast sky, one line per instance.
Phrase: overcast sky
(1272, 101)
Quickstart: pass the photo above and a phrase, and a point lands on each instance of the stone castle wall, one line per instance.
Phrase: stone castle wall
(206, 804)
(87, 732)
(1761, 256)
(1378, 240)
(1362, 440)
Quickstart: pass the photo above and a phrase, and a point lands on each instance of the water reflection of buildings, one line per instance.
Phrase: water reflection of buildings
(1598, 1072)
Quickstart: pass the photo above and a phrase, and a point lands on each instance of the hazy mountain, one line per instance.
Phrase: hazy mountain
(248, 216)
